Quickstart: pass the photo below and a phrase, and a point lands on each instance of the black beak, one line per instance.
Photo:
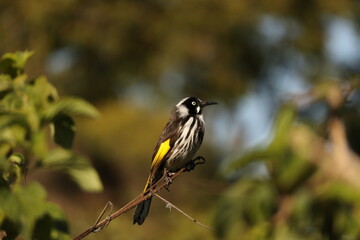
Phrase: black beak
(207, 103)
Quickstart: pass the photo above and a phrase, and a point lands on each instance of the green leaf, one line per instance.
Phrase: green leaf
(26, 209)
(52, 225)
(39, 144)
(12, 135)
(5, 150)
(5, 85)
(76, 166)
(59, 159)
(72, 107)
(292, 172)
(244, 207)
(14, 63)
(338, 190)
(23, 206)
(42, 93)
(283, 123)
(64, 130)
(19, 59)
(87, 178)
(8, 120)
(246, 158)
(13, 174)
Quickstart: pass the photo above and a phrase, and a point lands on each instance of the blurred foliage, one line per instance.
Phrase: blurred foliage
(203, 47)
(311, 188)
(118, 54)
(37, 133)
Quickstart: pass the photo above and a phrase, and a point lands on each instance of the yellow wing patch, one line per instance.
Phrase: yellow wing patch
(163, 150)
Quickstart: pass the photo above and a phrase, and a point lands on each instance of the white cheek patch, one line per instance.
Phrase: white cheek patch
(198, 108)
(183, 111)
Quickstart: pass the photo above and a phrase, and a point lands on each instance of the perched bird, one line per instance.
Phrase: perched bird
(177, 145)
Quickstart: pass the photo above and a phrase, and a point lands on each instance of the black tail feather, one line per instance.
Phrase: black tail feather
(141, 212)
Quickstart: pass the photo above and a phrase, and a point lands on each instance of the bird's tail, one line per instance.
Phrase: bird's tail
(142, 210)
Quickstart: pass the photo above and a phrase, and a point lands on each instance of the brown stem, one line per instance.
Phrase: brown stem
(142, 197)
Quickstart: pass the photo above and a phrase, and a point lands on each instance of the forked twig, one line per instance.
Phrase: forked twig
(108, 204)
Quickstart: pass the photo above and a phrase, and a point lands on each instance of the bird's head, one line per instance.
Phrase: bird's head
(192, 106)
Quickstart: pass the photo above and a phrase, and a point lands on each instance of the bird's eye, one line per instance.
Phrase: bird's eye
(193, 103)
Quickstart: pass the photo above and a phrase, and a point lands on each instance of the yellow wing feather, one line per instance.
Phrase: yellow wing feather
(163, 150)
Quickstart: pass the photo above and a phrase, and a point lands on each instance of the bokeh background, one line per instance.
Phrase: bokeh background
(135, 59)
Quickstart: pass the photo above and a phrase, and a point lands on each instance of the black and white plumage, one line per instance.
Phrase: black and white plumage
(177, 145)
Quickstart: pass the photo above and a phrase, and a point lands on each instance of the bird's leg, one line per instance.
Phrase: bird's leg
(167, 178)
(196, 161)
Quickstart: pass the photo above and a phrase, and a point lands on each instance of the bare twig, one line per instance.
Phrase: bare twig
(108, 205)
(182, 212)
(142, 197)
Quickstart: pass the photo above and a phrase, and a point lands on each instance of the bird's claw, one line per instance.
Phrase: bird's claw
(191, 165)
(167, 178)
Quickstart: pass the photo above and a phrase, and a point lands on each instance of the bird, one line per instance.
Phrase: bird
(176, 146)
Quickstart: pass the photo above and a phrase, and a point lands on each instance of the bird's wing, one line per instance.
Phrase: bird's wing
(160, 154)
(163, 147)
(170, 131)
(155, 164)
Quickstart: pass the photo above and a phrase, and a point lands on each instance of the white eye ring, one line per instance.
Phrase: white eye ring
(193, 103)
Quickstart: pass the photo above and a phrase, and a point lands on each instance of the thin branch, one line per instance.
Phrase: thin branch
(142, 197)
(182, 212)
(108, 205)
